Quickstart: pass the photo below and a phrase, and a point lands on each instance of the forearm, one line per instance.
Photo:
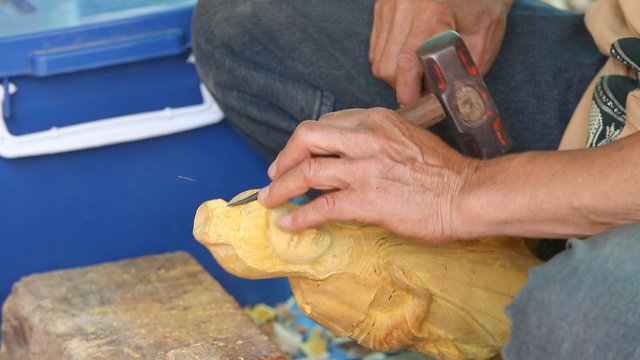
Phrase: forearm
(552, 194)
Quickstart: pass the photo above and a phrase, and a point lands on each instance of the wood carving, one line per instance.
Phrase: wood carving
(368, 284)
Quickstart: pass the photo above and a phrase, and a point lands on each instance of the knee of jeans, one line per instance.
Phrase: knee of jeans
(588, 288)
(223, 30)
(538, 313)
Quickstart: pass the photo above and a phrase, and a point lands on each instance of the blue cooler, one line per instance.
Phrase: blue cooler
(108, 141)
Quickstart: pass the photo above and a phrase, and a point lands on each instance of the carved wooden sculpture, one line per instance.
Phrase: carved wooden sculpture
(368, 284)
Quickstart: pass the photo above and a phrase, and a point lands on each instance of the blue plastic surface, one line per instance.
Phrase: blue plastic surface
(70, 35)
(121, 201)
(91, 206)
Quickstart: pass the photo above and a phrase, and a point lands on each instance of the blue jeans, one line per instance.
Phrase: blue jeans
(273, 63)
(582, 304)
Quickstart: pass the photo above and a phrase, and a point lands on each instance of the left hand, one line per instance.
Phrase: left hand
(376, 168)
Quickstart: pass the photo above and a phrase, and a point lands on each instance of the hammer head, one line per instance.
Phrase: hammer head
(452, 76)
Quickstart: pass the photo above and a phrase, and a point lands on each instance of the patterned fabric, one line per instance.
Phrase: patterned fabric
(627, 51)
(608, 107)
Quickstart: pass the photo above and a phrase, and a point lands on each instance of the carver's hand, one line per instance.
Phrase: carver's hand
(400, 26)
(376, 168)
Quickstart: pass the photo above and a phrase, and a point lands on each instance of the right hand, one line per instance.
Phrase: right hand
(401, 26)
(375, 168)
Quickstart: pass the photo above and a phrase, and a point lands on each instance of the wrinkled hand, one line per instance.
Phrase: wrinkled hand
(376, 168)
(401, 26)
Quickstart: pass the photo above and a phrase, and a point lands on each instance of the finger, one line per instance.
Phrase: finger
(375, 29)
(333, 206)
(350, 118)
(340, 116)
(314, 173)
(484, 47)
(386, 16)
(310, 139)
(400, 28)
(346, 134)
(475, 45)
(343, 118)
(409, 76)
(366, 130)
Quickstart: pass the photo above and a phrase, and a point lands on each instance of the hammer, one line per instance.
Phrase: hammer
(457, 92)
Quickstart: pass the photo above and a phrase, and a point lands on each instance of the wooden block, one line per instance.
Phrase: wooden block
(155, 307)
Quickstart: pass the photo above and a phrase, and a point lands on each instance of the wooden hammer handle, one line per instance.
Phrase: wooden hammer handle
(424, 112)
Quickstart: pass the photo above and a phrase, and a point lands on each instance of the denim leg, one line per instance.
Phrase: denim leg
(273, 63)
(583, 304)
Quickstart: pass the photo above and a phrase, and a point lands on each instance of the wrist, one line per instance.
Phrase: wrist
(479, 209)
(531, 194)
(463, 224)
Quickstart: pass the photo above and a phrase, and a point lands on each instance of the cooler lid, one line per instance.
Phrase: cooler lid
(47, 37)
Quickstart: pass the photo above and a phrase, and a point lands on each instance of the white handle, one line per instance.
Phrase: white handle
(109, 131)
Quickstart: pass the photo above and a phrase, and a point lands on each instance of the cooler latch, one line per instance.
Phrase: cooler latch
(7, 89)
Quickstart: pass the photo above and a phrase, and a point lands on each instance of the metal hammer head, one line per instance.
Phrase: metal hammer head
(452, 76)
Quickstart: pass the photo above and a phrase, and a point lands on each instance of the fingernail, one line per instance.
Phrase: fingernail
(272, 169)
(263, 193)
(285, 222)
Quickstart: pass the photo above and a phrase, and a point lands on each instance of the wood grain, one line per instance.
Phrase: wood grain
(363, 282)
(155, 307)
(424, 112)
